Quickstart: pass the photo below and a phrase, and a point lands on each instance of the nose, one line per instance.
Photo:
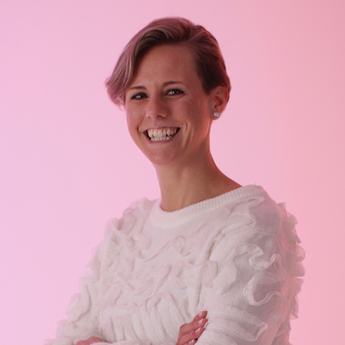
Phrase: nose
(156, 107)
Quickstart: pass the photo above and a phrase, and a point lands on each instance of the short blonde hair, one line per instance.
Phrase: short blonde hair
(209, 61)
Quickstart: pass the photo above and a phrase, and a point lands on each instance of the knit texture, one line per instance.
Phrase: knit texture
(237, 256)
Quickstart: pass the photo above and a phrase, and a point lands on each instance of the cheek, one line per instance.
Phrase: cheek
(131, 116)
(134, 115)
(133, 123)
(196, 111)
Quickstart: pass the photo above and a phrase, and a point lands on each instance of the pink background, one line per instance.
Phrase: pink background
(68, 164)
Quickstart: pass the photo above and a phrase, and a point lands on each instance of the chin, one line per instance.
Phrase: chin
(161, 159)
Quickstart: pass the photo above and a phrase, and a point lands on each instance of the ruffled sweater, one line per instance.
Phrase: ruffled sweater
(235, 256)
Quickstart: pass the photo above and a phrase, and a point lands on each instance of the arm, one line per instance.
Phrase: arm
(251, 281)
(82, 324)
(188, 333)
(82, 312)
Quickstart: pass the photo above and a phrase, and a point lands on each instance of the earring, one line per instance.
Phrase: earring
(216, 115)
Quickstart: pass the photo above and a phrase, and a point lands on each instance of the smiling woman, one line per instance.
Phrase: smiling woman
(209, 261)
(166, 96)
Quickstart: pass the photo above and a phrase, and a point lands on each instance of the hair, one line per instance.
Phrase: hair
(209, 61)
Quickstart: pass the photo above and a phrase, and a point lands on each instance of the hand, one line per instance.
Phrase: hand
(89, 341)
(190, 332)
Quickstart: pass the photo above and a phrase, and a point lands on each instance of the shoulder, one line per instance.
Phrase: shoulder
(253, 203)
(134, 213)
(119, 231)
(273, 218)
(253, 223)
(254, 217)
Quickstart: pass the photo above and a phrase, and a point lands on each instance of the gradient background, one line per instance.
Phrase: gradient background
(68, 163)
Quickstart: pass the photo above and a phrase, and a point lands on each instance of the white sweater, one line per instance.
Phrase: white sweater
(235, 256)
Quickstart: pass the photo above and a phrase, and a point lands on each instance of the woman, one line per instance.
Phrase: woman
(210, 261)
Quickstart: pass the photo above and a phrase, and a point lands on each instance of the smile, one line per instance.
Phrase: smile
(161, 134)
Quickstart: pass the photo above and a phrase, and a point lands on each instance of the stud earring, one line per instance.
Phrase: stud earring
(216, 115)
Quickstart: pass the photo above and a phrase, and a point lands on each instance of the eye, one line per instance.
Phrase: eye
(139, 96)
(174, 92)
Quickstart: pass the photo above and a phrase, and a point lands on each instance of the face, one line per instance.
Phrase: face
(168, 112)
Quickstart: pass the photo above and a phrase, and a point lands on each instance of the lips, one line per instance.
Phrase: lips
(161, 134)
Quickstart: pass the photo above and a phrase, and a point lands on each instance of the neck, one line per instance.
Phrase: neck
(187, 184)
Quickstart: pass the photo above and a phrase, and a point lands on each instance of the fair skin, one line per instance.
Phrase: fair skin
(169, 116)
(167, 93)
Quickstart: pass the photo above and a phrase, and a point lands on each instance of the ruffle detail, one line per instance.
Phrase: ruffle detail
(294, 255)
(267, 260)
(240, 260)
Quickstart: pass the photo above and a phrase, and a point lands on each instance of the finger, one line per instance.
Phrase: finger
(189, 337)
(201, 315)
(191, 342)
(91, 340)
(198, 321)
(192, 330)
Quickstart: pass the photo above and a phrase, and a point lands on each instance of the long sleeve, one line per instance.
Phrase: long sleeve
(86, 308)
(236, 256)
(83, 314)
(251, 280)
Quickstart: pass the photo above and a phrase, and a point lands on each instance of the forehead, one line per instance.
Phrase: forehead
(166, 61)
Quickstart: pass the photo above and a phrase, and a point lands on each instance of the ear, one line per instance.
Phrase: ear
(219, 99)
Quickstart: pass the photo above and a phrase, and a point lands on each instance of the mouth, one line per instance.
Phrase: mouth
(161, 134)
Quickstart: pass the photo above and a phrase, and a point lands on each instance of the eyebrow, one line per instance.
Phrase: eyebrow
(172, 82)
(167, 83)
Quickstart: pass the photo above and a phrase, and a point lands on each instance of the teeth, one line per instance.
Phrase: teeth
(161, 134)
